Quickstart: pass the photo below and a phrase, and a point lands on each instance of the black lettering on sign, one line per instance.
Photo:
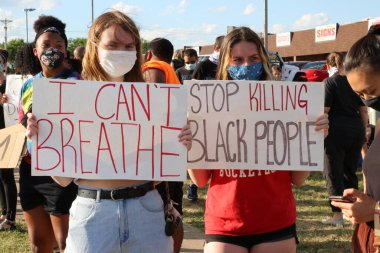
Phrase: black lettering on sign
(5, 143)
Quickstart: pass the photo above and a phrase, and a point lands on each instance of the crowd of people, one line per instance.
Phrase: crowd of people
(244, 214)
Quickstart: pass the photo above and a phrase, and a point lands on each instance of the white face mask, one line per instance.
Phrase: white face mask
(332, 71)
(117, 63)
(190, 66)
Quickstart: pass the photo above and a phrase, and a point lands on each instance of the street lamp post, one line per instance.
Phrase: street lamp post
(5, 22)
(92, 11)
(266, 24)
(26, 18)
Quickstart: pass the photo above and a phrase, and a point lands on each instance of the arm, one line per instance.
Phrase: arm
(200, 177)
(299, 177)
(363, 111)
(154, 76)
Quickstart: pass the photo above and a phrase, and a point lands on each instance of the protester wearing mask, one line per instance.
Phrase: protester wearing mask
(190, 57)
(348, 119)
(45, 204)
(362, 67)
(133, 222)
(257, 213)
(206, 70)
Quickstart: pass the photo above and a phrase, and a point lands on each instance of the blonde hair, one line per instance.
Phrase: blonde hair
(235, 36)
(91, 67)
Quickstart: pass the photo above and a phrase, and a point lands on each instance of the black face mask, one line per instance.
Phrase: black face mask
(52, 58)
(374, 103)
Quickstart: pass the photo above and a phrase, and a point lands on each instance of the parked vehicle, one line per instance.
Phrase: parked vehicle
(288, 72)
(316, 71)
(298, 64)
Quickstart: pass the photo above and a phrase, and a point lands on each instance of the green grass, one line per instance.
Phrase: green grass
(312, 207)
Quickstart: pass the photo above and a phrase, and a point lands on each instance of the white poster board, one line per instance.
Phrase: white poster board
(265, 125)
(373, 21)
(14, 83)
(106, 130)
(326, 32)
(283, 39)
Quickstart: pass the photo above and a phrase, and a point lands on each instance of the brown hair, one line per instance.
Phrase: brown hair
(235, 36)
(335, 59)
(91, 67)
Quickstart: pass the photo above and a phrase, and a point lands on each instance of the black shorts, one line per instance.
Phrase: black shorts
(43, 190)
(175, 191)
(248, 241)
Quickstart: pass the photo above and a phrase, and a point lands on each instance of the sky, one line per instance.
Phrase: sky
(188, 22)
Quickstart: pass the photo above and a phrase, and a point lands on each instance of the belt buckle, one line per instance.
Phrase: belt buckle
(112, 194)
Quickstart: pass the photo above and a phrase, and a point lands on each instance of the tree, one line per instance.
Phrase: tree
(13, 46)
(76, 42)
(144, 45)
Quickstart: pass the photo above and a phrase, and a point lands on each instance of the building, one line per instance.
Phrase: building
(304, 46)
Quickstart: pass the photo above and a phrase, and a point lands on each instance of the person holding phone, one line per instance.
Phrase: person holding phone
(362, 66)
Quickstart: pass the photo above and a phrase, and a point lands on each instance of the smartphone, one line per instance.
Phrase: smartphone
(341, 199)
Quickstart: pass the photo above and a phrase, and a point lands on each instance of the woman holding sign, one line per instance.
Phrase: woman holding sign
(362, 66)
(133, 220)
(258, 213)
(45, 204)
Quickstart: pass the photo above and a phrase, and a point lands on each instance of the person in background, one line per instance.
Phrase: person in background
(8, 190)
(206, 70)
(362, 67)
(26, 62)
(79, 53)
(177, 61)
(157, 69)
(45, 204)
(257, 213)
(348, 119)
(190, 58)
(133, 220)
(276, 71)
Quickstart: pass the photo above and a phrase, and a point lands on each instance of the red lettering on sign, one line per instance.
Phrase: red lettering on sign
(63, 146)
(162, 154)
(81, 146)
(40, 146)
(60, 98)
(96, 101)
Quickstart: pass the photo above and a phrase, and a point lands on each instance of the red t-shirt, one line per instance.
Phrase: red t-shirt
(247, 202)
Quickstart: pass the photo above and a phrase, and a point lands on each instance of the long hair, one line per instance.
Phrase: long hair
(235, 36)
(91, 67)
(335, 59)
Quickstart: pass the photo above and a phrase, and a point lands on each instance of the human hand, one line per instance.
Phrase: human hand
(31, 127)
(186, 137)
(360, 211)
(4, 98)
(322, 123)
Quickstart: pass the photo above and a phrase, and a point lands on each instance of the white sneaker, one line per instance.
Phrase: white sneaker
(7, 225)
(333, 221)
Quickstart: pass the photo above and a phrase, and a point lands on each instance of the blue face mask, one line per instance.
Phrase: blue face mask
(1, 67)
(249, 72)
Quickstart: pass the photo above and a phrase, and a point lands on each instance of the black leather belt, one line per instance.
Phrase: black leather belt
(124, 193)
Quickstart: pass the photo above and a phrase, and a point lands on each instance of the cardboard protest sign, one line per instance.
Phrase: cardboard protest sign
(106, 130)
(12, 141)
(14, 83)
(255, 125)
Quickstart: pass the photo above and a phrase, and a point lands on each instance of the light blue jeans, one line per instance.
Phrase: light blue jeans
(107, 226)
